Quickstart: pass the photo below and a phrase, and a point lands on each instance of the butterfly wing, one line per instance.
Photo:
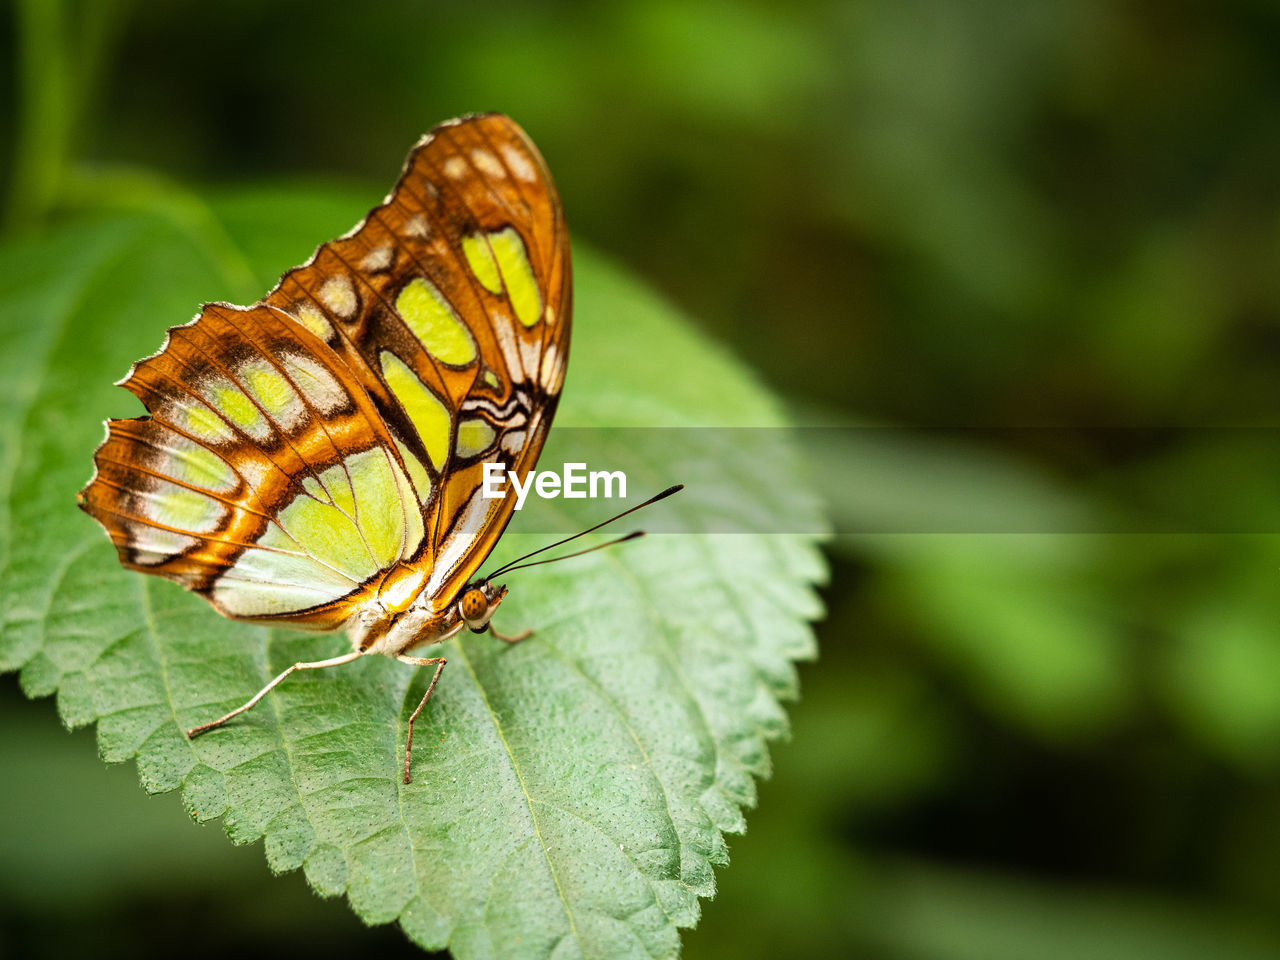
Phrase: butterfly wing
(264, 477)
(320, 455)
(452, 304)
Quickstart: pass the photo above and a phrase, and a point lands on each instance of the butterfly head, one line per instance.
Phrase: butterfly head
(478, 602)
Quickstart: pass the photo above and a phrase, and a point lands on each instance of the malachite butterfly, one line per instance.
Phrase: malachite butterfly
(316, 459)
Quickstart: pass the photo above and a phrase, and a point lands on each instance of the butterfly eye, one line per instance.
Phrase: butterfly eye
(474, 604)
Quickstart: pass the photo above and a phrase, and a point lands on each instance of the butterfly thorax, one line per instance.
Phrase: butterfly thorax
(376, 628)
(399, 615)
(379, 628)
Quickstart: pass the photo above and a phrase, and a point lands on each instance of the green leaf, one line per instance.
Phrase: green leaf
(570, 793)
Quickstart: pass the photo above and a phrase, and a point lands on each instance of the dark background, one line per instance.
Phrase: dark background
(1059, 742)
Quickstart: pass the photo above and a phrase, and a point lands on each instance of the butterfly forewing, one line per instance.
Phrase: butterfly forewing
(320, 455)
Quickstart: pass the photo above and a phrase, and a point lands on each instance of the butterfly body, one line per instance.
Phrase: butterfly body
(378, 627)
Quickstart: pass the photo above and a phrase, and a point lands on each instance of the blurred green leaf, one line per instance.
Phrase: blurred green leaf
(570, 793)
(1020, 619)
(886, 479)
(930, 912)
(975, 548)
(1221, 669)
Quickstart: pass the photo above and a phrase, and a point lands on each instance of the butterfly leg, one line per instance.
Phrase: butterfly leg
(316, 665)
(439, 663)
(523, 635)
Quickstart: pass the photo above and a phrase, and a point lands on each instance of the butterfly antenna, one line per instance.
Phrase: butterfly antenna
(519, 561)
(633, 535)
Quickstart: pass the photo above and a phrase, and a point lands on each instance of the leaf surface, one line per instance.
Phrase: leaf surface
(570, 793)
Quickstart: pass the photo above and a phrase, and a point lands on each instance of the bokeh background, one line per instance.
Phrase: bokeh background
(1046, 718)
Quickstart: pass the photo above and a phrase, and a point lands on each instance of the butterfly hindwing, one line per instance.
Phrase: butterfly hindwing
(320, 455)
(264, 478)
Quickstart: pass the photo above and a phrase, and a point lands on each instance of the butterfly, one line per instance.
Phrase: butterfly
(316, 459)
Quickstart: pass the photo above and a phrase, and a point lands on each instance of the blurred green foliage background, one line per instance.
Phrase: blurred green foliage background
(1055, 742)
